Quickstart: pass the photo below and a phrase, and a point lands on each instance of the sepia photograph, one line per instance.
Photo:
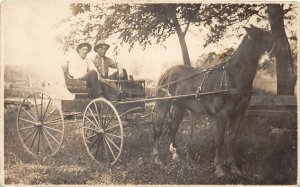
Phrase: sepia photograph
(149, 92)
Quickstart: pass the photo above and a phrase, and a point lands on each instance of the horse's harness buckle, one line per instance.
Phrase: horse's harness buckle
(223, 83)
(201, 87)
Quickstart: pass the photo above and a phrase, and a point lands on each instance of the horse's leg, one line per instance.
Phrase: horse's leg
(235, 121)
(221, 121)
(161, 111)
(178, 114)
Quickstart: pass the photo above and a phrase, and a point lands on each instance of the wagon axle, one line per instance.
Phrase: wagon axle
(99, 130)
(38, 124)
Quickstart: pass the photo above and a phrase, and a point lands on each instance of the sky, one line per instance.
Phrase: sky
(29, 39)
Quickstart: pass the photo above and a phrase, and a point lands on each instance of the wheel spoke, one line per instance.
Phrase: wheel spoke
(112, 152)
(51, 113)
(102, 148)
(33, 139)
(26, 128)
(111, 128)
(32, 122)
(42, 107)
(101, 113)
(46, 109)
(106, 116)
(106, 125)
(37, 110)
(30, 134)
(112, 142)
(29, 114)
(38, 148)
(91, 136)
(91, 122)
(43, 139)
(94, 117)
(51, 136)
(106, 151)
(48, 141)
(113, 135)
(53, 121)
(53, 129)
(35, 116)
(99, 121)
(94, 143)
(89, 128)
(97, 147)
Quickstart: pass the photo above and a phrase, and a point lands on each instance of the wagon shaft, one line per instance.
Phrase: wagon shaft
(176, 97)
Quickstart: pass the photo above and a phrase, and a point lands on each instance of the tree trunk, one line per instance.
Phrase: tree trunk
(181, 37)
(286, 76)
(184, 50)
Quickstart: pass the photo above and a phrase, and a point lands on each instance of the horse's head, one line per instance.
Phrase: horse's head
(261, 39)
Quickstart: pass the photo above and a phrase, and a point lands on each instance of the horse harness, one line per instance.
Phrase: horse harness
(223, 82)
(208, 72)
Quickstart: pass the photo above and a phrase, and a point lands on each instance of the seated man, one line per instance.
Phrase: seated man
(80, 67)
(103, 63)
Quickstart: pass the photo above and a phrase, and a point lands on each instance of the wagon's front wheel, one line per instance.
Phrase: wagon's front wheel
(102, 131)
(40, 124)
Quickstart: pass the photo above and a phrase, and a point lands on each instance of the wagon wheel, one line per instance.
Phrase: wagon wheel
(102, 131)
(185, 130)
(40, 124)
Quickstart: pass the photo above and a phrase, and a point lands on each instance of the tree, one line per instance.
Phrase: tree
(286, 77)
(146, 24)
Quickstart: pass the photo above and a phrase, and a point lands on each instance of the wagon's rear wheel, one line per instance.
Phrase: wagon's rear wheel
(40, 124)
(102, 131)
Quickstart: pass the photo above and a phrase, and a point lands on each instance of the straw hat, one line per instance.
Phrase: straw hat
(81, 45)
(100, 43)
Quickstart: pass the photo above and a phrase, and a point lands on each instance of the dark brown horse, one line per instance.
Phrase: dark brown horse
(236, 74)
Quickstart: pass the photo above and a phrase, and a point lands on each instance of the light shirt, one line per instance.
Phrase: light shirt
(78, 67)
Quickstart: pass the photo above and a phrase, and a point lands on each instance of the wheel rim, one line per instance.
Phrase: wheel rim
(102, 131)
(40, 124)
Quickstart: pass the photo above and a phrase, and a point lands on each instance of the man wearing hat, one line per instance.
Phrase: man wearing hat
(103, 63)
(80, 67)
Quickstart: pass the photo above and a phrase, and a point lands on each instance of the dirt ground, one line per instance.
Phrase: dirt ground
(266, 155)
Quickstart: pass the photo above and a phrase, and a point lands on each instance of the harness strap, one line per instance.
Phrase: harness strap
(208, 71)
(224, 81)
(200, 88)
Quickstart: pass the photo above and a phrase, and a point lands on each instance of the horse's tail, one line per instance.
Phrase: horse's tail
(163, 88)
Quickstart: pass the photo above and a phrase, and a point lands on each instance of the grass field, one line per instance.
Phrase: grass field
(266, 155)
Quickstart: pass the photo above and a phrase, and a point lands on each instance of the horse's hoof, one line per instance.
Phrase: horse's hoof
(235, 170)
(219, 172)
(175, 157)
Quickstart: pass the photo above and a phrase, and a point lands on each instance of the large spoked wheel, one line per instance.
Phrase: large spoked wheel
(102, 131)
(40, 124)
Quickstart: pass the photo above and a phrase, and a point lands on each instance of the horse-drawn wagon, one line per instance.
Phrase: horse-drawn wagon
(223, 91)
(40, 124)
